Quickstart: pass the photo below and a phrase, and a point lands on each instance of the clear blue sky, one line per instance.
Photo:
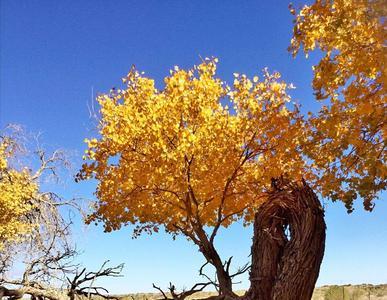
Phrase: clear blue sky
(55, 53)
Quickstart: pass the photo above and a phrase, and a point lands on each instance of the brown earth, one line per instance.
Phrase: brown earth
(328, 292)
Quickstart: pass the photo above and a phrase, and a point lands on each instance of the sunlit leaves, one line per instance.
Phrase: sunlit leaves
(348, 139)
(201, 153)
(196, 152)
(16, 190)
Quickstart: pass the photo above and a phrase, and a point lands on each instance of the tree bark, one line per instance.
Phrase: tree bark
(286, 267)
(212, 256)
(36, 293)
(225, 283)
(10, 293)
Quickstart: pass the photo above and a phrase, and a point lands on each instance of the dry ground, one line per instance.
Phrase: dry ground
(331, 292)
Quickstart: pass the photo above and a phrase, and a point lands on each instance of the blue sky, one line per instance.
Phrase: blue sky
(56, 54)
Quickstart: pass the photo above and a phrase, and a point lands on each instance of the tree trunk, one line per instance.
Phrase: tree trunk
(212, 256)
(286, 266)
(225, 283)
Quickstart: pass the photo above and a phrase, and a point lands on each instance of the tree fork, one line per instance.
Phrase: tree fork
(287, 267)
(212, 256)
(225, 283)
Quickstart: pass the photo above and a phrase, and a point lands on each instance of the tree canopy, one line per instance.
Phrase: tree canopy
(197, 151)
(202, 153)
(348, 139)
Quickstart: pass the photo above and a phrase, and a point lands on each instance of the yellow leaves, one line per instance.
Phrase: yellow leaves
(284, 112)
(351, 38)
(165, 157)
(91, 143)
(17, 188)
(276, 87)
(3, 156)
(347, 142)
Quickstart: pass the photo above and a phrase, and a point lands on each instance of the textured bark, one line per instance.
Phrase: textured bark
(35, 293)
(286, 267)
(10, 293)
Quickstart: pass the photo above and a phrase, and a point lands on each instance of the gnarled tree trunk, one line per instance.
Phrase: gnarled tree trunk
(286, 266)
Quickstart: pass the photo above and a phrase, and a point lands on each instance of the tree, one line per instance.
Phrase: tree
(199, 154)
(346, 143)
(28, 213)
(33, 232)
(182, 158)
(52, 274)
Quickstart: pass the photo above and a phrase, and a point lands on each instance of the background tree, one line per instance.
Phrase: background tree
(29, 213)
(35, 235)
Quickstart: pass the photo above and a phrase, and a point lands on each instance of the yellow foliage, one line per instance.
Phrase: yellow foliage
(17, 189)
(201, 153)
(348, 135)
(196, 152)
